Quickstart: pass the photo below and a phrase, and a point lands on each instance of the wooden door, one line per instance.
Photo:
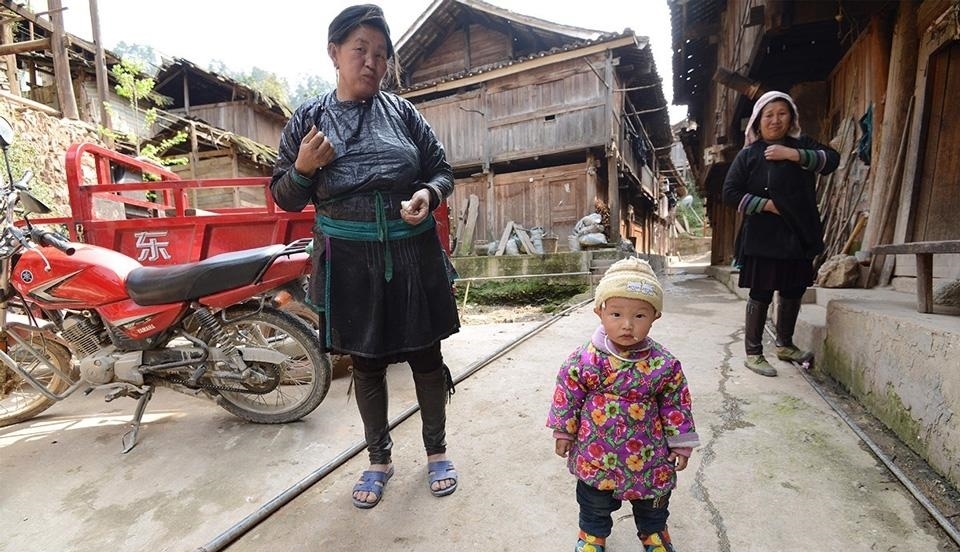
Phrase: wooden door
(937, 214)
(937, 200)
(567, 204)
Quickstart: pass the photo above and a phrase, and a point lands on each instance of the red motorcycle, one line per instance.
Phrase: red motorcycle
(77, 316)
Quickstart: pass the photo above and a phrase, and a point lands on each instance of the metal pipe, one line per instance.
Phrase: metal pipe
(246, 524)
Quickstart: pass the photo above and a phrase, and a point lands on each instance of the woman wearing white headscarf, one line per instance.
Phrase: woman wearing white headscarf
(772, 183)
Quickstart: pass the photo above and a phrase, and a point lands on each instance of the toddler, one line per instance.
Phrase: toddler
(621, 412)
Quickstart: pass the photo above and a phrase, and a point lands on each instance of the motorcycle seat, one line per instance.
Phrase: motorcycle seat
(158, 285)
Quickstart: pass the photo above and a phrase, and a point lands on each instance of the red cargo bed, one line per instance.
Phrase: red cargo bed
(176, 225)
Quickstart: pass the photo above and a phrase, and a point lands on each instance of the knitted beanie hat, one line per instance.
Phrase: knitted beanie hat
(632, 278)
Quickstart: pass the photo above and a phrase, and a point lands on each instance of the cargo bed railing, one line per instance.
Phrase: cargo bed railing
(169, 219)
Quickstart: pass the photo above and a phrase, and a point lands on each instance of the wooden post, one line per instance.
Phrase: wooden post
(925, 282)
(491, 206)
(103, 82)
(614, 112)
(468, 224)
(896, 115)
(6, 28)
(186, 93)
(525, 240)
(61, 63)
(885, 269)
(591, 178)
(194, 149)
(613, 199)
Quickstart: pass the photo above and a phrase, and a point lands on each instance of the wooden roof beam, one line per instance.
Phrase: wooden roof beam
(25, 46)
(520, 66)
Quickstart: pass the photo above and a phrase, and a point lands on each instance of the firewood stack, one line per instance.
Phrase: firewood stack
(601, 207)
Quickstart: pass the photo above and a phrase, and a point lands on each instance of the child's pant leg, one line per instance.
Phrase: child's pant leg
(651, 514)
(596, 510)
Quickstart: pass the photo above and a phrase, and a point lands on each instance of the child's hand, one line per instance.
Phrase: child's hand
(679, 461)
(562, 447)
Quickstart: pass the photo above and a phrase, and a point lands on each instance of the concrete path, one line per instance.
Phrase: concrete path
(778, 469)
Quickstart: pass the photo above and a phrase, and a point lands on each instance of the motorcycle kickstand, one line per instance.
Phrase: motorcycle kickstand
(129, 439)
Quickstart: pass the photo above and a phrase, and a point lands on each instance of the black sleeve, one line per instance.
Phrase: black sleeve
(290, 195)
(435, 171)
(735, 183)
(830, 159)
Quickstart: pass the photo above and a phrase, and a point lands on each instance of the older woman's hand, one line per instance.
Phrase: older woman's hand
(316, 151)
(776, 152)
(417, 208)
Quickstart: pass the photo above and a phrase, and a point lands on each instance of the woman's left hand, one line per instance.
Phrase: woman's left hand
(416, 209)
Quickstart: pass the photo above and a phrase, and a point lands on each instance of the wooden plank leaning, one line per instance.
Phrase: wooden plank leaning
(507, 230)
(524, 239)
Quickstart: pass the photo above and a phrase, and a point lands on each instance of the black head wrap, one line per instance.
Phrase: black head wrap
(354, 16)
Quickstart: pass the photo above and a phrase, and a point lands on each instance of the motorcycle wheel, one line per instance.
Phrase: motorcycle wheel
(340, 363)
(19, 400)
(291, 390)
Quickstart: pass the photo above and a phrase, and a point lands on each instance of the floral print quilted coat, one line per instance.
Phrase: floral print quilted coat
(623, 416)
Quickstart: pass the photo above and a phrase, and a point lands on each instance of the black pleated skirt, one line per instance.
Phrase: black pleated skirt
(775, 274)
(368, 316)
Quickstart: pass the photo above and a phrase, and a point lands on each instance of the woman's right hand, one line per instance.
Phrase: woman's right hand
(562, 447)
(771, 207)
(316, 152)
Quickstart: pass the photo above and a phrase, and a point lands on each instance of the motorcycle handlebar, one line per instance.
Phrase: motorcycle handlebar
(53, 239)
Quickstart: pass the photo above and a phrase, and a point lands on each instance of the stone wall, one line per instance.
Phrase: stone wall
(902, 366)
(40, 144)
(484, 266)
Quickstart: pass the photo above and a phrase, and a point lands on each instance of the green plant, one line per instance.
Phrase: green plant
(548, 296)
(138, 90)
(691, 209)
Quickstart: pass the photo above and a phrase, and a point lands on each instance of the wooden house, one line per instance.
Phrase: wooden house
(35, 76)
(880, 81)
(232, 129)
(543, 123)
(221, 102)
(876, 79)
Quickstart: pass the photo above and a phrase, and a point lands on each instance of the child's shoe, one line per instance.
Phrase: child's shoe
(657, 542)
(589, 543)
